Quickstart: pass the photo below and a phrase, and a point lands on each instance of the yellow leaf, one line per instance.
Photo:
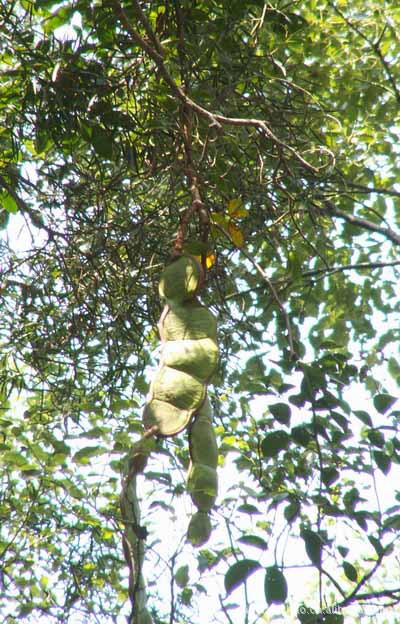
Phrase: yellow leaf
(233, 205)
(235, 208)
(219, 219)
(236, 235)
(210, 259)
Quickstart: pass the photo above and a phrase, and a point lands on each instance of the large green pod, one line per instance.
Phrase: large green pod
(178, 388)
(203, 486)
(195, 357)
(199, 529)
(192, 321)
(202, 439)
(181, 279)
(168, 419)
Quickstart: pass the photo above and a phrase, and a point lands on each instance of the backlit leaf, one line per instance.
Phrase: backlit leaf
(239, 572)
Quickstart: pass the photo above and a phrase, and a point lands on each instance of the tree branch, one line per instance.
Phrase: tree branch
(216, 120)
(330, 209)
(372, 189)
(360, 266)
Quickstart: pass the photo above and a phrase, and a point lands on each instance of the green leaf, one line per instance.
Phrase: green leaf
(364, 417)
(4, 219)
(182, 576)
(383, 402)
(301, 435)
(9, 203)
(313, 545)
(308, 615)
(249, 509)
(274, 443)
(376, 544)
(14, 459)
(275, 586)
(291, 511)
(253, 540)
(350, 571)
(84, 455)
(383, 461)
(239, 572)
(102, 142)
(392, 523)
(196, 248)
(376, 437)
(281, 412)
(329, 475)
(344, 551)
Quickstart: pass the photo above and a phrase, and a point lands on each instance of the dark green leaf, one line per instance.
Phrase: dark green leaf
(84, 455)
(383, 461)
(275, 586)
(376, 437)
(102, 142)
(376, 544)
(383, 402)
(364, 417)
(281, 412)
(249, 509)
(313, 544)
(344, 551)
(182, 576)
(253, 540)
(239, 572)
(393, 522)
(350, 571)
(292, 511)
(301, 435)
(330, 617)
(307, 615)
(274, 442)
(329, 475)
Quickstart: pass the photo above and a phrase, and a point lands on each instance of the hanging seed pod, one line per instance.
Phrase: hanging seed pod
(202, 481)
(189, 353)
(178, 392)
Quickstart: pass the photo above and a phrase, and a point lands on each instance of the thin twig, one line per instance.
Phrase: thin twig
(373, 189)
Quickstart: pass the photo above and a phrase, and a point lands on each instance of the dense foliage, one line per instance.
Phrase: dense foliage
(280, 120)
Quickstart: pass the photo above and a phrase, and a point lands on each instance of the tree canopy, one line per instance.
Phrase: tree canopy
(261, 137)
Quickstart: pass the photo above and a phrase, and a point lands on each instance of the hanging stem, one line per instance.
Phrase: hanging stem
(134, 535)
(197, 206)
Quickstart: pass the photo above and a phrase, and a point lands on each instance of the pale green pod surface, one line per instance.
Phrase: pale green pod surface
(203, 486)
(178, 388)
(192, 321)
(169, 419)
(199, 529)
(144, 617)
(195, 357)
(180, 280)
(203, 443)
